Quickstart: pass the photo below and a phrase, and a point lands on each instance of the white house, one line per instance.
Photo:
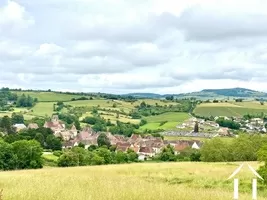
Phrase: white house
(19, 127)
(195, 146)
(141, 157)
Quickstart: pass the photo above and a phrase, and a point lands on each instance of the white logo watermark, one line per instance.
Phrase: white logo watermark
(254, 182)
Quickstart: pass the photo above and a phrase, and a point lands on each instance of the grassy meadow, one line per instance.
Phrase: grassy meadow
(143, 181)
(48, 96)
(230, 109)
(122, 118)
(172, 118)
(43, 108)
(26, 113)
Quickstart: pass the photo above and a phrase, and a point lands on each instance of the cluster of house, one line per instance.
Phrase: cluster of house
(252, 125)
(212, 129)
(207, 129)
(145, 147)
(202, 124)
(19, 127)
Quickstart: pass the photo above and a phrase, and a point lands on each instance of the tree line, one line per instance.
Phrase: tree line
(21, 154)
(242, 148)
(228, 123)
(100, 154)
(9, 99)
(144, 109)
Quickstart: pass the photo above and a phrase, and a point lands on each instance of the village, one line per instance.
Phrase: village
(148, 146)
(209, 129)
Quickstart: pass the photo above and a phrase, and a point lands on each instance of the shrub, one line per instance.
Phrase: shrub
(57, 153)
(162, 123)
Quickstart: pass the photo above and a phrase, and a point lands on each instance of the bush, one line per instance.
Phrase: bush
(28, 154)
(68, 159)
(57, 153)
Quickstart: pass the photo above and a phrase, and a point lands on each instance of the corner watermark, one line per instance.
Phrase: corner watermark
(254, 181)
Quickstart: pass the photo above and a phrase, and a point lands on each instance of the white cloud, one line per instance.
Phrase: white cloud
(122, 46)
(14, 18)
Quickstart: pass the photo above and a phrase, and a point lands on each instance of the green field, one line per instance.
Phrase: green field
(169, 116)
(113, 117)
(50, 157)
(26, 113)
(48, 96)
(145, 181)
(224, 139)
(43, 109)
(230, 109)
(90, 103)
(154, 102)
(172, 118)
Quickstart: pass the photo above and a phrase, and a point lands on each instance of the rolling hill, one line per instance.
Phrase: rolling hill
(230, 108)
(210, 93)
(225, 93)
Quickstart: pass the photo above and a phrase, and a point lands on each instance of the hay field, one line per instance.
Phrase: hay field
(145, 181)
(230, 109)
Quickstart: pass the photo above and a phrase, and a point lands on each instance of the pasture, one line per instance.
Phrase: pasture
(26, 113)
(172, 119)
(154, 102)
(237, 109)
(143, 181)
(122, 118)
(224, 139)
(90, 103)
(48, 96)
(43, 109)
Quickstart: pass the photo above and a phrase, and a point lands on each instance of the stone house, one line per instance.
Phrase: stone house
(33, 126)
(19, 127)
(55, 124)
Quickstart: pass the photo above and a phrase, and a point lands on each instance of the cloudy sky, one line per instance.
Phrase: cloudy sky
(121, 46)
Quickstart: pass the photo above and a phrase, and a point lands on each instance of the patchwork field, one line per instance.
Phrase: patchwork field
(26, 113)
(145, 181)
(113, 117)
(230, 109)
(154, 102)
(172, 118)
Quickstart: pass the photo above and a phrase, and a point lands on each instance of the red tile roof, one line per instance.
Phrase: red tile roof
(181, 146)
(146, 150)
(122, 148)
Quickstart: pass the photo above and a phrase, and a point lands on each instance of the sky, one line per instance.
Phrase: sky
(124, 46)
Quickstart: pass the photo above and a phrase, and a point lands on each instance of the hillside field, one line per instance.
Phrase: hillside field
(172, 118)
(48, 96)
(143, 181)
(230, 109)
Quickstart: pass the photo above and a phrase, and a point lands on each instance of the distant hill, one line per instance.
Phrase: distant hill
(146, 95)
(225, 93)
(210, 93)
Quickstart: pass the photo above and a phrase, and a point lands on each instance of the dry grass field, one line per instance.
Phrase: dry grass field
(143, 181)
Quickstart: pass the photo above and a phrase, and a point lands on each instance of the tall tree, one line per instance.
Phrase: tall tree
(6, 125)
(17, 118)
(28, 154)
(7, 157)
(53, 143)
(103, 140)
(196, 128)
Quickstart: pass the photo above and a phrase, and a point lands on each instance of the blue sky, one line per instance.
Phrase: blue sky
(122, 46)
